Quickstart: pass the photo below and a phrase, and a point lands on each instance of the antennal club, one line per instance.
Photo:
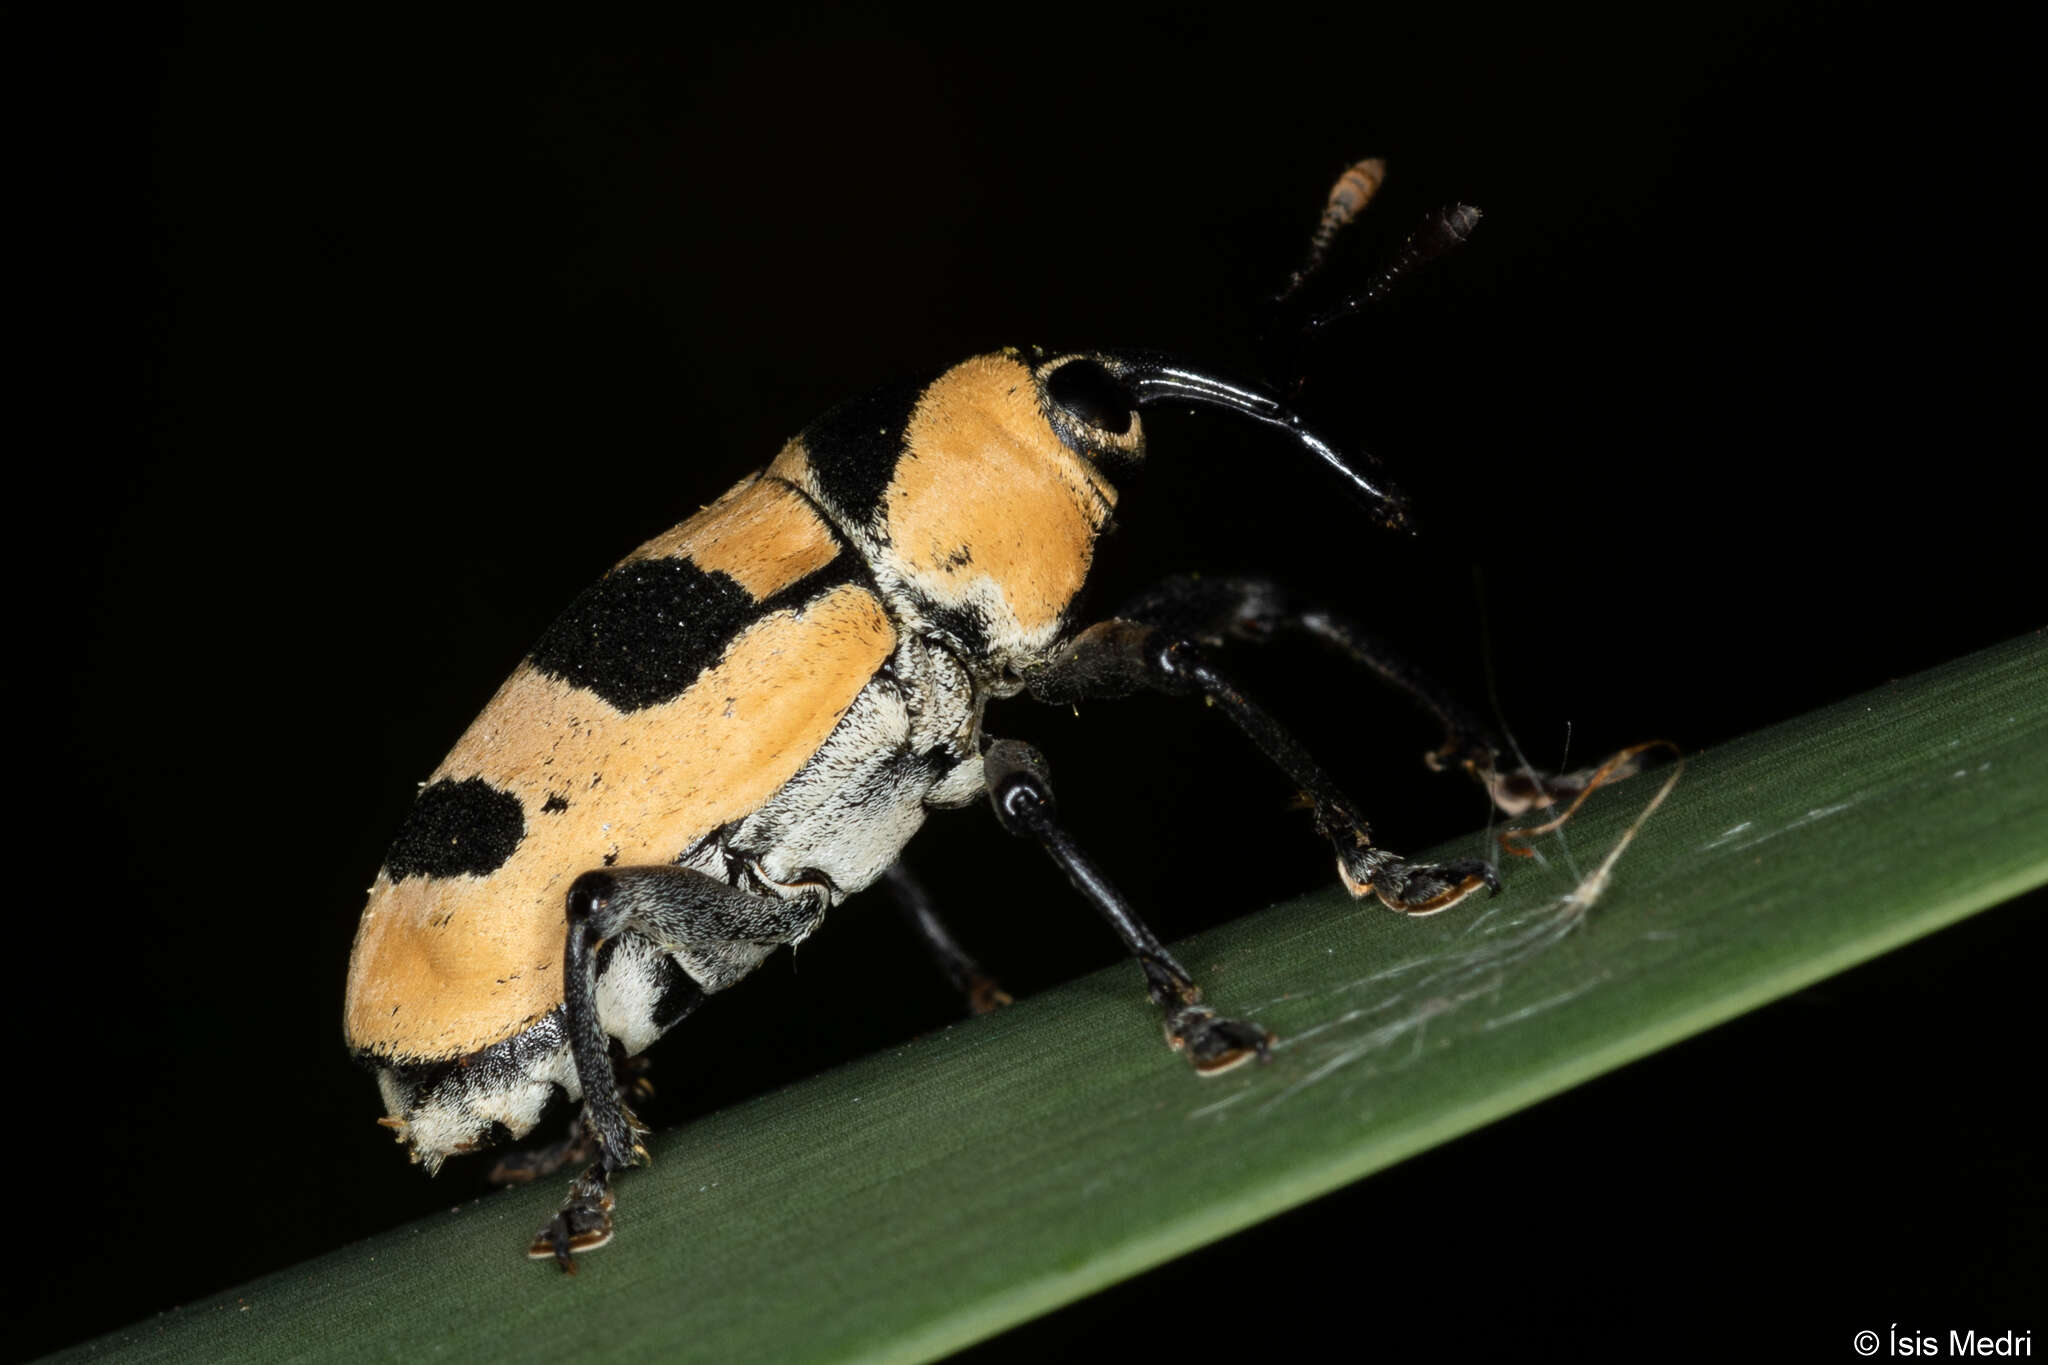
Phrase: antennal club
(1442, 231)
(1348, 197)
(1283, 340)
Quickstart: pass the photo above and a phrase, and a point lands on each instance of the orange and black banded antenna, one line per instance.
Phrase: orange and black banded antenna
(1291, 327)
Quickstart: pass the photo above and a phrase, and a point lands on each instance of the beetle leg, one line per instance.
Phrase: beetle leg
(1215, 611)
(1021, 791)
(720, 931)
(579, 1144)
(529, 1164)
(978, 988)
(1117, 657)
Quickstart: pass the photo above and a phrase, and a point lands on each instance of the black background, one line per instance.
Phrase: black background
(1707, 427)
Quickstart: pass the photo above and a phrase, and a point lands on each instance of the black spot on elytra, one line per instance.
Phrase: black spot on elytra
(642, 634)
(554, 805)
(853, 449)
(457, 828)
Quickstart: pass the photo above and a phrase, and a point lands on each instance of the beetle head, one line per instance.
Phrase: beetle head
(977, 497)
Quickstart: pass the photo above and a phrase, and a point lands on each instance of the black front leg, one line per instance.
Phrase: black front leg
(1220, 610)
(1021, 791)
(1119, 656)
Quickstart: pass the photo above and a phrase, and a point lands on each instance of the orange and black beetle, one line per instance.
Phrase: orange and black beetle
(747, 719)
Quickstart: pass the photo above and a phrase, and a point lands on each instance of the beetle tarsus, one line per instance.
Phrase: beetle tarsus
(1420, 888)
(1215, 1044)
(584, 1223)
(1518, 791)
(986, 996)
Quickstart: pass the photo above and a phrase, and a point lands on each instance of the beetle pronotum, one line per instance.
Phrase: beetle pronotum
(746, 720)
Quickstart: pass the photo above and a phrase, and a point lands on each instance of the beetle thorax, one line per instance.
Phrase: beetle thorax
(985, 529)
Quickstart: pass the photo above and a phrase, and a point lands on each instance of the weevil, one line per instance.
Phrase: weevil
(746, 720)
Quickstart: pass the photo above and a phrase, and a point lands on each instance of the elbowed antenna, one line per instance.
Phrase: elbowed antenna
(1155, 379)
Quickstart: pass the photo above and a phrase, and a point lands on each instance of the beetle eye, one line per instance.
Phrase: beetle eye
(1093, 395)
